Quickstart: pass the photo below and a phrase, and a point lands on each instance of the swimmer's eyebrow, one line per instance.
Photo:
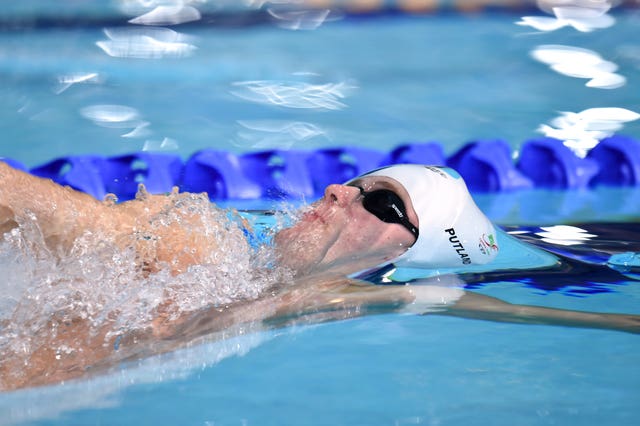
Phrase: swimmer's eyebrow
(371, 183)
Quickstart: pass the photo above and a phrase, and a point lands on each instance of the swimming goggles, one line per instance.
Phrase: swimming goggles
(387, 206)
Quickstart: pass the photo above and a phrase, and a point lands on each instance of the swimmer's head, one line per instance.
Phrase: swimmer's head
(452, 231)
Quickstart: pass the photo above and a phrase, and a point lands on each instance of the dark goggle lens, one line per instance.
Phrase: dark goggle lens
(387, 206)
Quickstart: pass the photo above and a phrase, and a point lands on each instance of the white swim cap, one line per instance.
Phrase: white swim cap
(453, 230)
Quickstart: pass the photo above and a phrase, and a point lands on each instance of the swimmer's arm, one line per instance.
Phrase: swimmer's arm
(478, 306)
(352, 298)
(61, 213)
(443, 297)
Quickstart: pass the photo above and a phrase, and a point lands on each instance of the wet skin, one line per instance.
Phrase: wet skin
(339, 235)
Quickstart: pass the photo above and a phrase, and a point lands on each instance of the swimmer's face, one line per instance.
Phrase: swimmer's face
(339, 234)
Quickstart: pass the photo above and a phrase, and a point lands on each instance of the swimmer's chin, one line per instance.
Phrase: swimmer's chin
(302, 250)
(291, 254)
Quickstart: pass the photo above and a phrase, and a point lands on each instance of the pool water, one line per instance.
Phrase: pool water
(377, 370)
(364, 82)
(392, 368)
(450, 78)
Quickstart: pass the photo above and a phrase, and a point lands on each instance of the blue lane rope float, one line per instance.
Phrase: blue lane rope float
(219, 174)
(486, 165)
(550, 164)
(280, 173)
(337, 165)
(82, 172)
(421, 153)
(158, 172)
(618, 156)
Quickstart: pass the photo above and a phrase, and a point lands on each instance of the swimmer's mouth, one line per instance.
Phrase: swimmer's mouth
(312, 216)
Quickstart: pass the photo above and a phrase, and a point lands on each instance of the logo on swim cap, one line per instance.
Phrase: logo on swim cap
(440, 171)
(487, 245)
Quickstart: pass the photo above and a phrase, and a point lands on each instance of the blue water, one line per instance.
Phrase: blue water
(448, 78)
(393, 368)
(375, 371)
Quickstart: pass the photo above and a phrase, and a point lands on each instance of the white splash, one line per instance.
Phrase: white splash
(582, 131)
(145, 43)
(289, 94)
(168, 15)
(580, 63)
(582, 17)
(270, 134)
(98, 282)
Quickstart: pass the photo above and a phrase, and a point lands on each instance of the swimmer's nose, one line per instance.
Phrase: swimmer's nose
(341, 194)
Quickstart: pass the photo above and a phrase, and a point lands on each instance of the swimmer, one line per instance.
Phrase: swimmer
(405, 215)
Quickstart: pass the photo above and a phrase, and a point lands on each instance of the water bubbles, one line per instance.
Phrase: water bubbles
(293, 94)
(146, 43)
(580, 63)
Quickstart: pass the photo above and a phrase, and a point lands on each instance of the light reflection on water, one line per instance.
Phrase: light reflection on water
(194, 84)
(145, 43)
(581, 132)
(580, 15)
(327, 96)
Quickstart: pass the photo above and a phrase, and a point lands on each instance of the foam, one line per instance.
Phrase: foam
(98, 281)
